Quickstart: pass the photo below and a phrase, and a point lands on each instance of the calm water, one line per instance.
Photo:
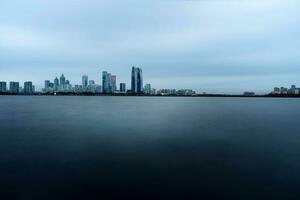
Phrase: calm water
(141, 147)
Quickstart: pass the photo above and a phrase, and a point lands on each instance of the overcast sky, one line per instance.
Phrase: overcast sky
(206, 45)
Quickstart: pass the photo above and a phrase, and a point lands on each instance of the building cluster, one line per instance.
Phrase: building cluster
(249, 94)
(64, 85)
(15, 88)
(109, 84)
(182, 92)
(286, 91)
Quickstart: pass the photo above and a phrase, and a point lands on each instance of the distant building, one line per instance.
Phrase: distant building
(28, 87)
(147, 89)
(91, 82)
(185, 92)
(106, 79)
(62, 81)
(249, 94)
(98, 89)
(136, 80)
(47, 84)
(153, 91)
(276, 90)
(105, 82)
(85, 79)
(122, 87)
(283, 90)
(292, 90)
(3, 87)
(174, 92)
(113, 83)
(56, 84)
(167, 92)
(68, 87)
(14, 87)
(78, 89)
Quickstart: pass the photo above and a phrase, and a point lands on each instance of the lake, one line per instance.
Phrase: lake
(63, 147)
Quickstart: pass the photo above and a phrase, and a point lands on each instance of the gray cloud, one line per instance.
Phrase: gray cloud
(205, 45)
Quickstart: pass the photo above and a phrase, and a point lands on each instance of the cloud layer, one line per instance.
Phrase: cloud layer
(213, 46)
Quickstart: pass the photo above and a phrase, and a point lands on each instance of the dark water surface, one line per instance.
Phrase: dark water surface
(149, 148)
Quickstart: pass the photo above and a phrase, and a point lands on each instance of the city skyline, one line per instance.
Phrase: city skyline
(211, 46)
(108, 80)
(109, 86)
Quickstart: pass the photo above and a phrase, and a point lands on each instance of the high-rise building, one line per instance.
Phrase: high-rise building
(105, 86)
(85, 79)
(62, 81)
(147, 89)
(28, 88)
(56, 84)
(122, 87)
(109, 83)
(14, 87)
(136, 80)
(47, 84)
(113, 83)
(140, 81)
(2, 87)
(106, 82)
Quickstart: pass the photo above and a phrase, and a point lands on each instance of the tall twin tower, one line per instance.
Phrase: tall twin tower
(136, 80)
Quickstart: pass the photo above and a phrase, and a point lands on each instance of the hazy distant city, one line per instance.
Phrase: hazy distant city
(109, 85)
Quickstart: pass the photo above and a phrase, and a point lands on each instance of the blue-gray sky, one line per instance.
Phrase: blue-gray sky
(206, 45)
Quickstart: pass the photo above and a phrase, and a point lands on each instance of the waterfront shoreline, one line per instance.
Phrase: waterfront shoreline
(143, 95)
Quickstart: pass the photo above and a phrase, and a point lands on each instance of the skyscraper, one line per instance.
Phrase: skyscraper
(113, 83)
(14, 87)
(62, 81)
(136, 80)
(3, 87)
(140, 81)
(122, 87)
(106, 82)
(56, 84)
(28, 88)
(85, 79)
